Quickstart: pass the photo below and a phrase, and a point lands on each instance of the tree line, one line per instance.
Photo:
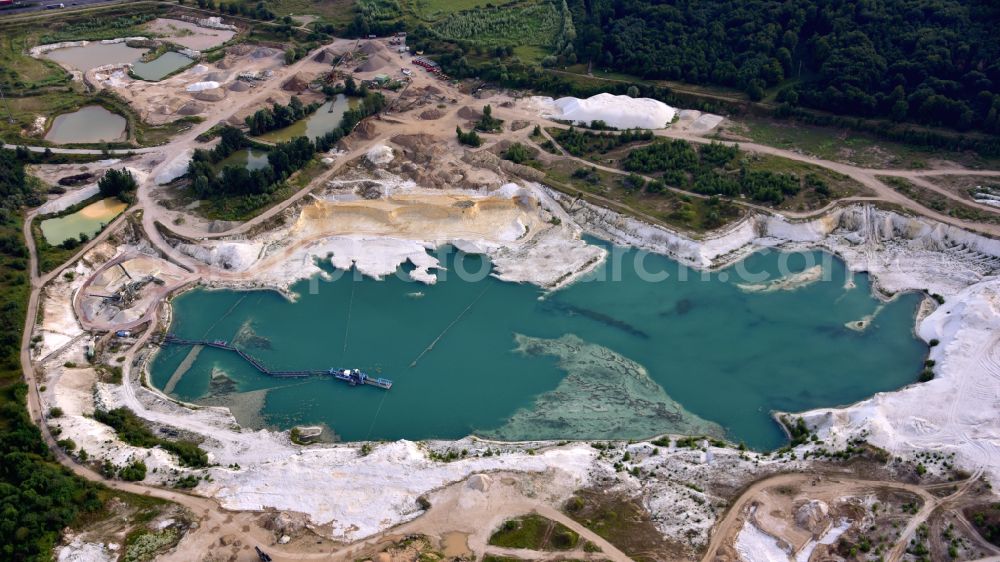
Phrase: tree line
(713, 169)
(928, 61)
(38, 497)
(279, 116)
(581, 143)
(255, 186)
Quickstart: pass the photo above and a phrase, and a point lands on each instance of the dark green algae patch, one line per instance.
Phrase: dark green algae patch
(693, 353)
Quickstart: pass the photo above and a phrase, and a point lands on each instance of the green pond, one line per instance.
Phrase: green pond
(88, 220)
(249, 158)
(317, 124)
(89, 124)
(623, 358)
(160, 67)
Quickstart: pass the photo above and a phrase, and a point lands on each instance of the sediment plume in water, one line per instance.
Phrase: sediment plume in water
(603, 396)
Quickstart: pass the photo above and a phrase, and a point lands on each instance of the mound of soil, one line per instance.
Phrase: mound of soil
(431, 114)
(217, 76)
(191, 108)
(240, 50)
(214, 94)
(372, 47)
(470, 114)
(373, 63)
(366, 130)
(239, 86)
(297, 83)
(326, 56)
(263, 52)
(76, 179)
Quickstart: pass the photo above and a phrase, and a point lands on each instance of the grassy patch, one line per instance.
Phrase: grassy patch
(807, 199)
(433, 10)
(843, 145)
(686, 212)
(20, 72)
(624, 524)
(940, 203)
(51, 103)
(714, 169)
(986, 520)
(531, 53)
(337, 12)
(534, 532)
(518, 23)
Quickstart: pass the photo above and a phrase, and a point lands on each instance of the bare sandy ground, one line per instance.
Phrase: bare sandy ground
(347, 495)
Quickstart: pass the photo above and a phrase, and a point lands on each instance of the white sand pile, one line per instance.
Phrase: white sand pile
(80, 551)
(379, 155)
(378, 257)
(621, 112)
(199, 86)
(754, 545)
(175, 168)
(230, 256)
(198, 69)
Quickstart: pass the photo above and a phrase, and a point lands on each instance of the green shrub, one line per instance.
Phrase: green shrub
(133, 472)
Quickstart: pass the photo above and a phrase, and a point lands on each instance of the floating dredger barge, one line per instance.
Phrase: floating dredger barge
(352, 377)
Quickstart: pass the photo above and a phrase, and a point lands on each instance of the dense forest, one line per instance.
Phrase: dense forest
(928, 61)
(38, 497)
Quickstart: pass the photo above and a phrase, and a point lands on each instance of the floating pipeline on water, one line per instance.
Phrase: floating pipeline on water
(353, 377)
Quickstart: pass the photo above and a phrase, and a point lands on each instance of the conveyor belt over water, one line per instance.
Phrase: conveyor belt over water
(351, 376)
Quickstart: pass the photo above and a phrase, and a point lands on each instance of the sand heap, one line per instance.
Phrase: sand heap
(374, 63)
(298, 82)
(217, 76)
(470, 114)
(326, 56)
(366, 130)
(239, 86)
(263, 53)
(379, 155)
(211, 94)
(200, 86)
(240, 49)
(191, 108)
(431, 115)
(622, 112)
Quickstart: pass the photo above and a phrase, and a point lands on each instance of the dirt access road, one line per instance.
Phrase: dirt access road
(218, 521)
(725, 531)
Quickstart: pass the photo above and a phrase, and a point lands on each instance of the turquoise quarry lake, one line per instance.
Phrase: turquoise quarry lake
(602, 358)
